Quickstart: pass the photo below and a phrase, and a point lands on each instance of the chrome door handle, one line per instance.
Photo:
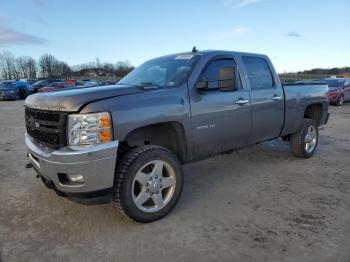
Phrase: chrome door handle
(276, 98)
(241, 102)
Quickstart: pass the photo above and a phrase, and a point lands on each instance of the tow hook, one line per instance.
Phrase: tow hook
(29, 165)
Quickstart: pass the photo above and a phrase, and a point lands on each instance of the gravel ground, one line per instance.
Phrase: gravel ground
(256, 204)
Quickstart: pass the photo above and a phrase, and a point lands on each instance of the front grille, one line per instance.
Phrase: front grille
(47, 127)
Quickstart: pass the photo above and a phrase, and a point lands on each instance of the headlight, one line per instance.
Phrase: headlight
(89, 129)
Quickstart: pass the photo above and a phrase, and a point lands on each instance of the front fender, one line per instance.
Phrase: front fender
(142, 109)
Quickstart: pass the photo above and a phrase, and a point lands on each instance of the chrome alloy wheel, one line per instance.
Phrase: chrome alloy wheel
(310, 139)
(153, 186)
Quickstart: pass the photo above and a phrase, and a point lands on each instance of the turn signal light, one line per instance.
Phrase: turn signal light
(105, 135)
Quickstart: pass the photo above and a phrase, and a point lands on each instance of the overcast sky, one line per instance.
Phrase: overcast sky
(296, 34)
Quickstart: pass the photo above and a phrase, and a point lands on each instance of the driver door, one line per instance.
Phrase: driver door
(221, 120)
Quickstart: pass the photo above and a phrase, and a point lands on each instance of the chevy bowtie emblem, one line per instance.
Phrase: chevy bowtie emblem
(33, 124)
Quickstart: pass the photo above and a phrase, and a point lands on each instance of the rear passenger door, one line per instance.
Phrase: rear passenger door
(267, 99)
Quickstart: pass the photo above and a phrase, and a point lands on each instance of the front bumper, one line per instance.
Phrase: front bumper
(96, 164)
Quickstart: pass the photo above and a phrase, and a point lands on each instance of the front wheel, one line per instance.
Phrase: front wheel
(17, 95)
(148, 183)
(304, 142)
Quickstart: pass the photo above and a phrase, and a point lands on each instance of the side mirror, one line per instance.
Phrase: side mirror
(227, 78)
(202, 84)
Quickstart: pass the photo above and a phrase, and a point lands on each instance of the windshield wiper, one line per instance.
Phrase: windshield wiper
(146, 85)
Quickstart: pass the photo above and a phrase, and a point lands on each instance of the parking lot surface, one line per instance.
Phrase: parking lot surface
(257, 204)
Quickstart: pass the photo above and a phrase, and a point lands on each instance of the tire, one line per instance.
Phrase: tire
(23, 94)
(340, 101)
(300, 139)
(145, 176)
(17, 95)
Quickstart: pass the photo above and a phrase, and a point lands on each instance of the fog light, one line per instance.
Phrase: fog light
(76, 178)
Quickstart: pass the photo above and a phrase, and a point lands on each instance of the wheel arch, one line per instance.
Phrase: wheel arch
(170, 135)
(315, 112)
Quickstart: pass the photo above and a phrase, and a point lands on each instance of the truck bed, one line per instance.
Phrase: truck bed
(297, 97)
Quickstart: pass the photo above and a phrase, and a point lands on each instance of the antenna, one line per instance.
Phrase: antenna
(194, 49)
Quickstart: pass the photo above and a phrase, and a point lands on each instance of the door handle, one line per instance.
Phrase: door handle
(241, 102)
(276, 98)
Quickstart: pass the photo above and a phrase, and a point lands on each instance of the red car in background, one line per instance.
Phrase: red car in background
(339, 90)
(55, 86)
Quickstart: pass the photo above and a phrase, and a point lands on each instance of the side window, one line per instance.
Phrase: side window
(259, 73)
(211, 72)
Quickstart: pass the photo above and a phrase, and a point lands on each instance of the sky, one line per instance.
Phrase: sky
(295, 34)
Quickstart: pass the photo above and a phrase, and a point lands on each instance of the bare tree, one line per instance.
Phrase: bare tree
(22, 66)
(47, 65)
(50, 67)
(25, 67)
(62, 69)
(31, 67)
(7, 63)
(3, 68)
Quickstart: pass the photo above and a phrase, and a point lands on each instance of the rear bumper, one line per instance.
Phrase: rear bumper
(96, 165)
(7, 96)
(334, 97)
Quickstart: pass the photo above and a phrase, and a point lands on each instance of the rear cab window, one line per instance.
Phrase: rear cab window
(258, 72)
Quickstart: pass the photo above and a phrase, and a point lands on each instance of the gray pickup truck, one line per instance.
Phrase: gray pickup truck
(126, 143)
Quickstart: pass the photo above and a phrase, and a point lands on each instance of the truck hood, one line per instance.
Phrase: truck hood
(73, 99)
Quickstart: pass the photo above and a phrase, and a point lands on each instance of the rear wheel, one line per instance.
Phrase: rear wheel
(340, 101)
(304, 142)
(148, 183)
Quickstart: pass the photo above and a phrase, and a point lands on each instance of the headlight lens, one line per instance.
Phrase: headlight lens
(89, 129)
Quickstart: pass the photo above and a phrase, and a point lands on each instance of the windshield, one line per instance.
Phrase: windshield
(335, 83)
(90, 84)
(161, 72)
(56, 84)
(7, 85)
(38, 82)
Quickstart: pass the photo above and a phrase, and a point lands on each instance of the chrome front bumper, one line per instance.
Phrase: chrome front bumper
(96, 164)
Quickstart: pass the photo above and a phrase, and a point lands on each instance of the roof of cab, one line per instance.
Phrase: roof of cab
(211, 53)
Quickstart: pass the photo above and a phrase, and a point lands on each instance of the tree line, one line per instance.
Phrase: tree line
(330, 71)
(48, 66)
